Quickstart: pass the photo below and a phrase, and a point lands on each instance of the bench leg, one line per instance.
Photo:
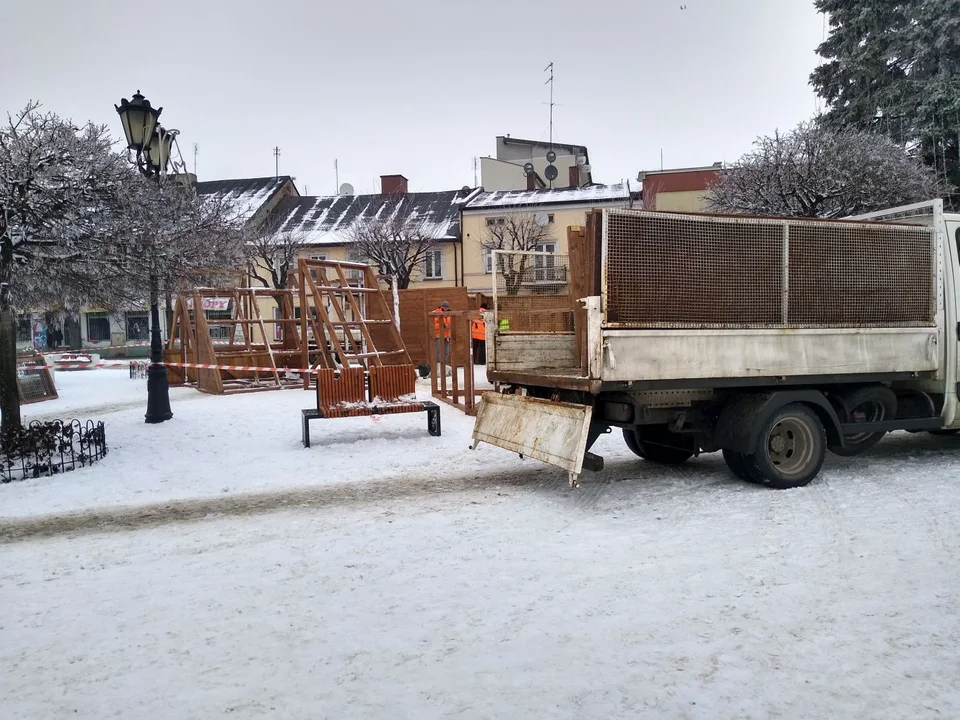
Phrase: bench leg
(306, 431)
(433, 421)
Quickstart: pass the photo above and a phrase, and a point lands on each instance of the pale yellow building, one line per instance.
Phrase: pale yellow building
(552, 210)
(679, 189)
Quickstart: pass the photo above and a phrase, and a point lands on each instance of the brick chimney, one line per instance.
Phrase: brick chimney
(574, 175)
(393, 185)
(532, 181)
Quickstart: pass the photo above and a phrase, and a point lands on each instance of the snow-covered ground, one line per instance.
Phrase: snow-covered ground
(235, 443)
(402, 576)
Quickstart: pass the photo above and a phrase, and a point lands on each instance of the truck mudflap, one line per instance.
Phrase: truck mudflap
(552, 432)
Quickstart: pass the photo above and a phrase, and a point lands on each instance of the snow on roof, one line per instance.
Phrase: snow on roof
(327, 220)
(619, 192)
(246, 196)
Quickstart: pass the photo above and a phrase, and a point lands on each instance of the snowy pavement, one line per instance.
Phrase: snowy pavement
(372, 578)
(676, 597)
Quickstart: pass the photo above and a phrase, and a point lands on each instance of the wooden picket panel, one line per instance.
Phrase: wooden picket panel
(337, 387)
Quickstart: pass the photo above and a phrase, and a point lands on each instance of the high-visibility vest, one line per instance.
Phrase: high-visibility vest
(436, 326)
(503, 325)
(478, 329)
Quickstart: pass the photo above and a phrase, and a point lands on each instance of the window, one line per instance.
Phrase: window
(138, 326)
(354, 276)
(545, 266)
(98, 327)
(433, 265)
(318, 257)
(24, 335)
(495, 221)
(220, 332)
(550, 218)
(277, 327)
(488, 260)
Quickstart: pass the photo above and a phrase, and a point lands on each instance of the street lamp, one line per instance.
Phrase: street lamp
(151, 145)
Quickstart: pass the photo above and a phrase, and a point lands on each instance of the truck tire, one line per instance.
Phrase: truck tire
(874, 403)
(791, 447)
(737, 462)
(657, 444)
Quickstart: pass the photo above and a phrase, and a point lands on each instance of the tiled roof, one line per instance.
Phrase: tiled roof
(563, 196)
(327, 220)
(246, 195)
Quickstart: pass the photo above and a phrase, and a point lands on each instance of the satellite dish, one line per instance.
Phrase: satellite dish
(541, 219)
(346, 189)
(551, 172)
(528, 169)
(551, 156)
(465, 189)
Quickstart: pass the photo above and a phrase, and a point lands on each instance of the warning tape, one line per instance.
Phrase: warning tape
(196, 366)
(125, 346)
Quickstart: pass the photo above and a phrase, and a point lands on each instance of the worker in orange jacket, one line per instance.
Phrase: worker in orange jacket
(443, 308)
(478, 333)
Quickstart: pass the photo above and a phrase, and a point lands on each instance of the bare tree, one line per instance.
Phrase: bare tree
(60, 187)
(168, 239)
(515, 232)
(813, 171)
(273, 255)
(394, 240)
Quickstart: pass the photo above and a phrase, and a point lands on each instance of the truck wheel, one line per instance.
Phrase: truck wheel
(868, 404)
(790, 449)
(737, 462)
(657, 444)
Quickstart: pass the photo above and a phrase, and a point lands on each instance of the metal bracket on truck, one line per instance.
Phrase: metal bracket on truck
(552, 432)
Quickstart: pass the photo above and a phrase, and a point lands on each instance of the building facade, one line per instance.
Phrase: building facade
(325, 225)
(551, 210)
(679, 189)
(506, 171)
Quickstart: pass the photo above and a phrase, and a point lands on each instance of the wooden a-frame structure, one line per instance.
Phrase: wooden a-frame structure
(333, 315)
(251, 340)
(344, 311)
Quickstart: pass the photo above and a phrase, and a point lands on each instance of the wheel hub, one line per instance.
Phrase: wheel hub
(777, 444)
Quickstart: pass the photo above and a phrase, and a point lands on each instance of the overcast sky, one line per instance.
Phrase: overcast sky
(420, 87)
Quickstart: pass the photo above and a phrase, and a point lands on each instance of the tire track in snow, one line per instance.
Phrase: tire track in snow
(126, 517)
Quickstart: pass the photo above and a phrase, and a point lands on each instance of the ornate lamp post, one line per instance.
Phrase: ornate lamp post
(151, 145)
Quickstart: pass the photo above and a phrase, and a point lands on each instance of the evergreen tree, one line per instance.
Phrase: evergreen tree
(894, 67)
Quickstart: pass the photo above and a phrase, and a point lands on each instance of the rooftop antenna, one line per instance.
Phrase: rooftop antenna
(196, 151)
(549, 81)
(476, 177)
(336, 174)
(276, 162)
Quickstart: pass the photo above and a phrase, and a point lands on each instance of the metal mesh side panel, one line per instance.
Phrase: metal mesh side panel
(671, 271)
(844, 275)
(683, 271)
(533, 292)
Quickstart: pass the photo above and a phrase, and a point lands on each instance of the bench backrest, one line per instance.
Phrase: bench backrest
(391, 382)
(336, 387)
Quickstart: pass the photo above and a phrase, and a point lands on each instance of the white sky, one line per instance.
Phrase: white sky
(421, 87)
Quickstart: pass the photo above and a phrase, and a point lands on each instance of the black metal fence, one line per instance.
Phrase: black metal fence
(51, 447)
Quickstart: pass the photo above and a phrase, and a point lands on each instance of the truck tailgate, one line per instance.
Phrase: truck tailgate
(552, 432)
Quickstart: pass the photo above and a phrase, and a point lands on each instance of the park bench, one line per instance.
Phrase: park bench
(356, 392)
